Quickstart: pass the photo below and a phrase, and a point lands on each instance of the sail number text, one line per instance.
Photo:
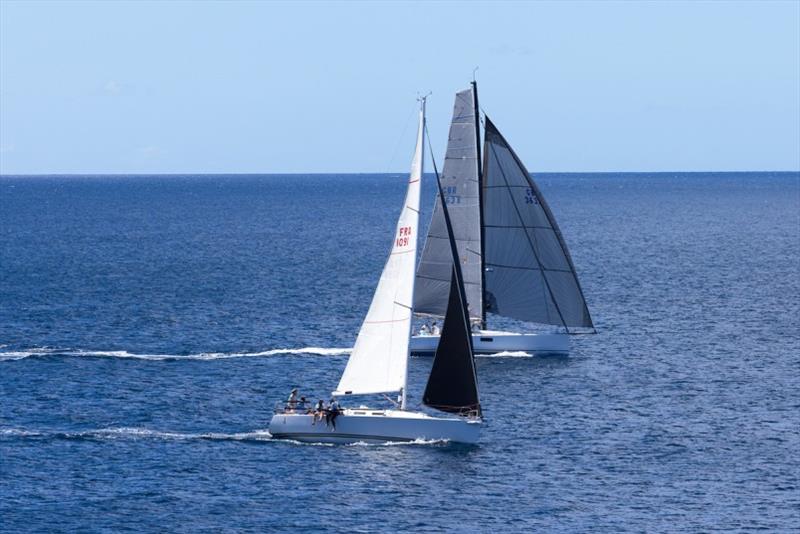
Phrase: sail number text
(450, 195)
(530, 196)
(404, 234)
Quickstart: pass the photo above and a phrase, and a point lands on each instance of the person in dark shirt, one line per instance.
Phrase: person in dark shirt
(333, 412)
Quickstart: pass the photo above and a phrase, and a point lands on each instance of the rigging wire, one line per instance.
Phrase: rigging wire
(400, 139)
(430, 149)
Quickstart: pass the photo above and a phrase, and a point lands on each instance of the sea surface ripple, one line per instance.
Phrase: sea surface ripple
(148, 324)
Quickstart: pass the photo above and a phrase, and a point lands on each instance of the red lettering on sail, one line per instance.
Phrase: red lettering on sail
(403, 238)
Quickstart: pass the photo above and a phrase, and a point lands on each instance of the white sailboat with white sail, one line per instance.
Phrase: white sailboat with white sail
(514, 258)
(378, 363)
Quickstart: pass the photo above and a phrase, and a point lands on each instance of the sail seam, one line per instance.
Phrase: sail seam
(509, 186)
(387, 321)
(550, 219)
(444, 280)
(519, 227)
(543, 269)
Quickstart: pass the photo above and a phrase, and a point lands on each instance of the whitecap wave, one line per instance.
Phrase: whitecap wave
(18, 432)
(39, 352)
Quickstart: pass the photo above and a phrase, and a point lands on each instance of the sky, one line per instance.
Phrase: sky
(306, 87)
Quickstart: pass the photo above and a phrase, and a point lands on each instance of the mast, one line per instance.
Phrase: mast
(480, 200)
(420, 143)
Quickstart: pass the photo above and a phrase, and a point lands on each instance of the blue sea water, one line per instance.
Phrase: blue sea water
(149, 323)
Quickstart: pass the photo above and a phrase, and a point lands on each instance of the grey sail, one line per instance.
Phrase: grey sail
(461, 186)
(529, 273)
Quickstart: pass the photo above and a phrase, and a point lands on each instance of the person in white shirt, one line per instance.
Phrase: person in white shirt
(291, 402)
(435, 329)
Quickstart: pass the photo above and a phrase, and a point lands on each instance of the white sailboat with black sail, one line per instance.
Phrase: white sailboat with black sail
(379, 361)
(515, 261)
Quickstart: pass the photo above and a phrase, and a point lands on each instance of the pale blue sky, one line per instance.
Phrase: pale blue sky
(263, 87)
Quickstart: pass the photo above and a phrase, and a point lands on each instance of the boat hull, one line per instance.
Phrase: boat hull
(494, 342)
(375, 426)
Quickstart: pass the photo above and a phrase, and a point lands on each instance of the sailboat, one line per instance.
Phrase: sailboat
(515, 261)
(378, 363)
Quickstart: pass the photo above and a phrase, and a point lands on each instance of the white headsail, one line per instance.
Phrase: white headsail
(379, 359)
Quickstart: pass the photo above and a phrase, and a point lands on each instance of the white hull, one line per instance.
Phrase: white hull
(489, 342)
(375, 426)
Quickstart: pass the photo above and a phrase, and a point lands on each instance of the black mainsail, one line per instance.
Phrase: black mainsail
(453, 384)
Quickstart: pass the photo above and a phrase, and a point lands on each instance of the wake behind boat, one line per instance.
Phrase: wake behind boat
(515, 261)
(378, 364)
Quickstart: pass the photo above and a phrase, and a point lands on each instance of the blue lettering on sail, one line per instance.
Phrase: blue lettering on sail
(450, 195)
(530, 196)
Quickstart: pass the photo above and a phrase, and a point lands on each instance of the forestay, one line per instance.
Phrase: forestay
(461, 189)
(379, 359)
(529, 272)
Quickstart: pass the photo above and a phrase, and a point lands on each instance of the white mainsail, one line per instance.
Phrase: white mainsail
(379, 361)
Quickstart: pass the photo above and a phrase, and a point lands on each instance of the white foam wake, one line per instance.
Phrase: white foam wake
(418, 441)
(135, 433)
(39, 352)
(506, 354)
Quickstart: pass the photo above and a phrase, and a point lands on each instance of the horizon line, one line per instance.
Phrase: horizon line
(385, 173)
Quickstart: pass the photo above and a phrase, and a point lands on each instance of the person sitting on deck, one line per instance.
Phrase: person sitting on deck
(333, 413)
(291, 402)
(318, 413)
(423, 330)
(435, 329)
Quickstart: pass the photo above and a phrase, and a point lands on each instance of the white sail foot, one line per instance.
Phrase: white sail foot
(493, 342)
(375, 426)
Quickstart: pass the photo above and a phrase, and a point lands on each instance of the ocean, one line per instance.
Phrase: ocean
(148, 325)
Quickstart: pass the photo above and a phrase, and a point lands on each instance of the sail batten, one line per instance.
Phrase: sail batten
(529, 272)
